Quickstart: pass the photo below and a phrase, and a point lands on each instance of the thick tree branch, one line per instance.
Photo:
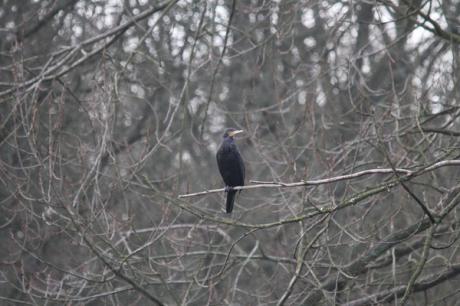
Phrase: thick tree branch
(361, 265)
(425, 283)
(442, 131)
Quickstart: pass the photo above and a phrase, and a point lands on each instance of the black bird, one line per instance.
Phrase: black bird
(231, 166)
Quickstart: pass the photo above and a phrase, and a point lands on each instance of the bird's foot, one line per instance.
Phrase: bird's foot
(228, 188)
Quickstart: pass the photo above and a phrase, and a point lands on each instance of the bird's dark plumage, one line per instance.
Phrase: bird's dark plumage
(231, 166)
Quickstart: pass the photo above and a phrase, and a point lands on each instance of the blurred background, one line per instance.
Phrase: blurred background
(109, 110)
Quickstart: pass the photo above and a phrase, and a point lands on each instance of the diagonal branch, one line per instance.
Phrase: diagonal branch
(61, 67)
(420, 266)
(425, 209)
(386, 296)
(361, 264)
(407, 174)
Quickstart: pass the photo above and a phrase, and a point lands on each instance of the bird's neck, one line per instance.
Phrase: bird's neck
(228, 140)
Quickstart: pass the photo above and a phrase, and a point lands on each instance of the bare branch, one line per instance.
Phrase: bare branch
(261, 184)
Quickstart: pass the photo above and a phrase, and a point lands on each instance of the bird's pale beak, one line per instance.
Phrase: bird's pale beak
(233, 133)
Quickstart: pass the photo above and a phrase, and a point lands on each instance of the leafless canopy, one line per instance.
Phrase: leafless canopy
(111, 113)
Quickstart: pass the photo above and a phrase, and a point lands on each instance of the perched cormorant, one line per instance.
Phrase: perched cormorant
(231, 166)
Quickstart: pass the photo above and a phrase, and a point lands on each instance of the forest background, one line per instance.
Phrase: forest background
(110, 110)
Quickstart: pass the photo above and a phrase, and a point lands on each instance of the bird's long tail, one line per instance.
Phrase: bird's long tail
(230, 200)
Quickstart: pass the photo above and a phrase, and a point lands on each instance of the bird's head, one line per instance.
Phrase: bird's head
(231, 132)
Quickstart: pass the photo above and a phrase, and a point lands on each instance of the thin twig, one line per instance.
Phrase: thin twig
(214, 74)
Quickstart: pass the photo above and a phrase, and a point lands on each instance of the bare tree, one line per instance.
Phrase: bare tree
(111, 114)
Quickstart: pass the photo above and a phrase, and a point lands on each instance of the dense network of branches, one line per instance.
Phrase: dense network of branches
(111, 113)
